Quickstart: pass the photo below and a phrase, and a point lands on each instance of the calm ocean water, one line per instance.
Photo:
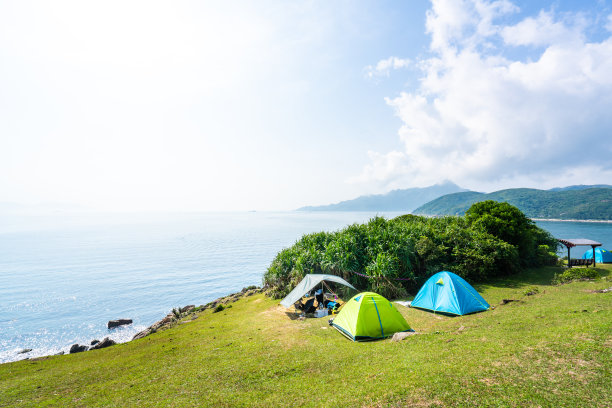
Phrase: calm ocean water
(63, 277)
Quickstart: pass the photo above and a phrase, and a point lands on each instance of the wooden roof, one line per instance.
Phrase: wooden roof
(570, 243)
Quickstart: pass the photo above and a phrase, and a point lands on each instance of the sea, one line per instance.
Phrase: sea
(63, 277)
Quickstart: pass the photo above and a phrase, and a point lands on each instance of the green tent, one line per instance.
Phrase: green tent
(369, 316)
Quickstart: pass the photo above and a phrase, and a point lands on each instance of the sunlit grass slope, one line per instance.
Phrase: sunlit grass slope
(553, 348)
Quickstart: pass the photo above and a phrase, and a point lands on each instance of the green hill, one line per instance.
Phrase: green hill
(549, 348)
(397, 200)
(580, 204)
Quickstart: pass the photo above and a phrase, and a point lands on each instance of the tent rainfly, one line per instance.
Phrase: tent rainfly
(307, 284)
(601, 255)
(449, 293)
(369, 316)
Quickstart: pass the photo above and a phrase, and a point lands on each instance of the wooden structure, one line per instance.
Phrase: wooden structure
(570, 243)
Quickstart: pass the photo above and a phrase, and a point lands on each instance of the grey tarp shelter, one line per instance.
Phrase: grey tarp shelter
(307, 284)
(570, 243)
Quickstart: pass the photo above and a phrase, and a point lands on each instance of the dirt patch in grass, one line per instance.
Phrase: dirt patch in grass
(584, 338)
(555, 366)
(608, 290)
(408, 402)
(274, 312)
(506, 301)
(282, 328)
(489, 381)
(583, 363)
(293, 315)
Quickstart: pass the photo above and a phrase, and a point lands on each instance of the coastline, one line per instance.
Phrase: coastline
(179, 315)
(22, 309)
(570, 220)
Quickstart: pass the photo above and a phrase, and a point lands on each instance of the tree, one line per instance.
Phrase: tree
(509, 224)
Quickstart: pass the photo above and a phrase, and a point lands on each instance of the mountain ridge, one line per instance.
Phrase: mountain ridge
(573, 202)
(395, 200)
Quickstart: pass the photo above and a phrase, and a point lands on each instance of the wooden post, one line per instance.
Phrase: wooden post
(592, 246)
(569, 263)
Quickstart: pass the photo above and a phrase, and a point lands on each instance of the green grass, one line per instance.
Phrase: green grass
(553, 348)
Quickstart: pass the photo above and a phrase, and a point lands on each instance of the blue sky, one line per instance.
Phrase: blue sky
(272, 105)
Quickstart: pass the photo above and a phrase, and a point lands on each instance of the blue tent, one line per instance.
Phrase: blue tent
(601, 255)
(446, 292)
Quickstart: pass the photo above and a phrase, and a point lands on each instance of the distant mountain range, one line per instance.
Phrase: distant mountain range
(573, 202)
(580, 187)
(396, 200)
(581, 202)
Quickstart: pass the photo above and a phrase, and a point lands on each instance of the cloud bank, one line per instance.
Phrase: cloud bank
(384, 67)
(503, 102)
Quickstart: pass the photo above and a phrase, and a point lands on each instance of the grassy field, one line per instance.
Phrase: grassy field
(551, 349)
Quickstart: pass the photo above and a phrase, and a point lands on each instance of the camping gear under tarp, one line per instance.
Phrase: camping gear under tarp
(446, 292)
(369, 316)
(601, 255)
(307, 284)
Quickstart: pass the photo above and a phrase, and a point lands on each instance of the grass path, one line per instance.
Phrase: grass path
(553, 348)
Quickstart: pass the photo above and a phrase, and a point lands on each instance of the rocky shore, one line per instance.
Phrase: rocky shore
(191, 312)
(176, 316)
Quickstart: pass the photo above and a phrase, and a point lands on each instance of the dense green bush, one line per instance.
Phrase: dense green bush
(512, 226)
(574, 274)
(398, 255)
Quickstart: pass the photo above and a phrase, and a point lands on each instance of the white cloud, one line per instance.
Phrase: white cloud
(609, 23)
(383, 167)
(481, 118)
(384, 67)
(544, 30)
(463, 22)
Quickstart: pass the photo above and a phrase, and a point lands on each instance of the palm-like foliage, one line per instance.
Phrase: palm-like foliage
(398, 255)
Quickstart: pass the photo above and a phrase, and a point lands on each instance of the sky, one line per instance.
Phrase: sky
(273, 105)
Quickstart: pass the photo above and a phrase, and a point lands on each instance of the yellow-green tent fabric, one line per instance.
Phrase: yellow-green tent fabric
(369, 316)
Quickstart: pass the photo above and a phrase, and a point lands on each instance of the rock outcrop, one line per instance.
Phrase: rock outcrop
(187, 309)
(78, 348)
(118, 322)
(142, 334)
(399, 336)
(106, 342)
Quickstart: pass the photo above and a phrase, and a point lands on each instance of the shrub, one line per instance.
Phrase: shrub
(574, 274)
(398, 255)
(220, 307)
(531, 291)
(535, 246)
